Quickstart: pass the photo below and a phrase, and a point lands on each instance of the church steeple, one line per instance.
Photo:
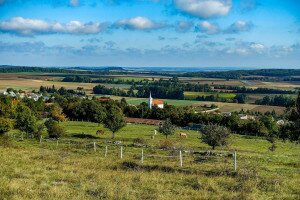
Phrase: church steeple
(150, 101)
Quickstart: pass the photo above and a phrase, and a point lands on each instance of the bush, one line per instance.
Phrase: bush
(5, 125)
(139, 141)
(54, 130)
(5, 141)
(166, 144)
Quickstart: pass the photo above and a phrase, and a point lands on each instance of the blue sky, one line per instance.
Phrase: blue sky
(167, 33)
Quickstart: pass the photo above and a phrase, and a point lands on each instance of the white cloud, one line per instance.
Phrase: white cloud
(204, 8)
(208, 28)
(259, 48)
(29, 27)
(139, 23)
(239, 26)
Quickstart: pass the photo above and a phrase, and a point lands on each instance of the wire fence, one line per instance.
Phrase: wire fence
(180, 157)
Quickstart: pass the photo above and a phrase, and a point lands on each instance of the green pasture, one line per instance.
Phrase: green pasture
(73, 169)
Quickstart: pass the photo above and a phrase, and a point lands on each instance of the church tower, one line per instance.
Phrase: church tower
(150, 101)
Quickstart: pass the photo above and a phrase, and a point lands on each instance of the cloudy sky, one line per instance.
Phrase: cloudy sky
(174, 33)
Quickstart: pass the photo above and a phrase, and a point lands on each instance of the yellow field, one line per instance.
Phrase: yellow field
(275, 85)
(30, 82)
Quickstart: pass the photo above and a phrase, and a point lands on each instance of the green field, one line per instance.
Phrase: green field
(194, 95)
(72, 170)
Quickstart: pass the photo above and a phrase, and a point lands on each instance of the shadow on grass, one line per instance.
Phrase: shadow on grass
(84, 136)
(166, 169)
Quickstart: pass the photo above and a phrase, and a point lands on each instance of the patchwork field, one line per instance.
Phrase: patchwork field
(30, 82)
(275, 85)
(73, 170)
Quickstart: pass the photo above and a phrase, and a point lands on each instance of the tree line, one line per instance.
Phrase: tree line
(277, 100)
(243, 89)
(240, 74)
(26, 114)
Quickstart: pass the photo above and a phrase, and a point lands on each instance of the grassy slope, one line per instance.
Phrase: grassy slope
(30, 170)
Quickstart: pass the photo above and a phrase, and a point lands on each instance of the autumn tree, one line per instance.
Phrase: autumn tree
(56, 112)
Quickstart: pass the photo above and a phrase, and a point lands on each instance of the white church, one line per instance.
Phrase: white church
(154, 102)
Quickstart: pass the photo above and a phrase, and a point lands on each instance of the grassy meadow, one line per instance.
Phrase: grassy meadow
(73, 170)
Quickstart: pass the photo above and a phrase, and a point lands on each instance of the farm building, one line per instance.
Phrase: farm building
(155, 102)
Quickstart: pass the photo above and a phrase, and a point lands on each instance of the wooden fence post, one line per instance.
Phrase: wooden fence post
(57, 143)
(105, 151)
(95, 146)
(142, 156)
(41, 137)
(121, 155)
(234, 160)
(180, 158)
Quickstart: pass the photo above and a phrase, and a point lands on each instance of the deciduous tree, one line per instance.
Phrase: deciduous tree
(215, 135)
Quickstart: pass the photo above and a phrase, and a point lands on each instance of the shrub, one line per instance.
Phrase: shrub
(166, 144)
(139, 141)
(5, 141)
(54, 130)
(5, 125)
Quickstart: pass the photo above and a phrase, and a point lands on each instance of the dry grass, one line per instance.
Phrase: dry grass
(30, 170)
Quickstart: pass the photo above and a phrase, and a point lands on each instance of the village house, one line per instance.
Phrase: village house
(246, 117)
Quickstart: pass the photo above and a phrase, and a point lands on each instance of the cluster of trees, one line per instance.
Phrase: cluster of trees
(18, 69)
(88, 79)
(75, 70)
(26, 114)
(167, 89)
(62, 91)
(243, 89)
(101, 89)
(186, 116)
(278, 100)
(239, 74)
(291, 130)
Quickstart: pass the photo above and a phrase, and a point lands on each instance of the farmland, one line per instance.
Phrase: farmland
(30, 170)
(77, 165)
(32, 81)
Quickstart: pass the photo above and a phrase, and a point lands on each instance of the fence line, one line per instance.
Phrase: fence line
(94, 145)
